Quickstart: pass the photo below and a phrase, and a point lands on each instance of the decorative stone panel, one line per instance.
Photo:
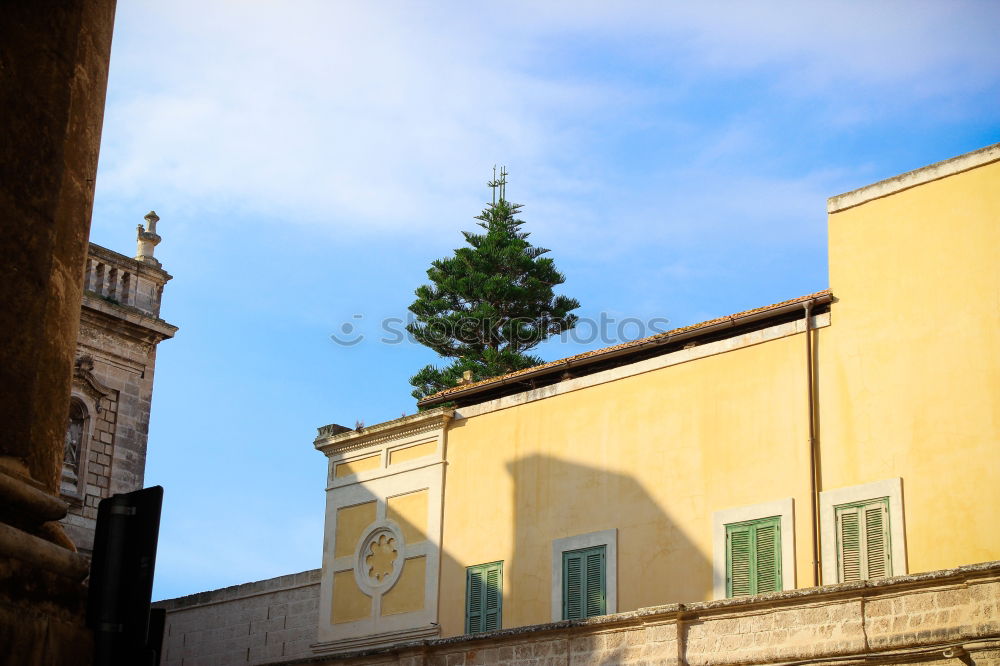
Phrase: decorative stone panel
(381, 555)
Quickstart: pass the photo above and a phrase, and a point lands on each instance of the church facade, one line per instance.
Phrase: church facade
(112, 390)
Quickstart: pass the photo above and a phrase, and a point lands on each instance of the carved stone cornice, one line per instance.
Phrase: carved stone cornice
(330, 442)
(130, 321)
(83, 375)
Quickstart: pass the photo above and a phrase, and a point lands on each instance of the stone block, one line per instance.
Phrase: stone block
(249, 612)
(272, 624)
(309, 619)
(303, 606)
(299, 648)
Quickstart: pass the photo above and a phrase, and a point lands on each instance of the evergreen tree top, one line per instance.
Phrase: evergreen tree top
(491, 302)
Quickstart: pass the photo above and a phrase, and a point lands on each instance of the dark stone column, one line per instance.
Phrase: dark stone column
(54, 58)
(54, 63)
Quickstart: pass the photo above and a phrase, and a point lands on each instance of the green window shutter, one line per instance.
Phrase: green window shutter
(493, 598)
(584, 583)
(483, 597)
(595, 582)
(863, 544)
(877, 552)
(753, 557)
(849, 544)
(767, 536)
(572, 586)
(738, 561)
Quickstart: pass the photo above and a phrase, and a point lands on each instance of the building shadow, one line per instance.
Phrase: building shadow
(657, 563)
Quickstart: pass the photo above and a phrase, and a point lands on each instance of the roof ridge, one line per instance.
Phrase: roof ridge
(624, 345)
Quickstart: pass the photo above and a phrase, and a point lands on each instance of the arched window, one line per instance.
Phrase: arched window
(73, 450)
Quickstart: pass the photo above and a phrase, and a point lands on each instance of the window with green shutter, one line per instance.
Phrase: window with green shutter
(863, 548)
(483, 597)
(584, 584)
(753, 557)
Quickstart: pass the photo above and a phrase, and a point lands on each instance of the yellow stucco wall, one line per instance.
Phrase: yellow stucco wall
(351, 522)
(652, 455)
(409, 511)
(909, 374)
(356, 466)
(407, 595)
(408, 453)
(349, 602)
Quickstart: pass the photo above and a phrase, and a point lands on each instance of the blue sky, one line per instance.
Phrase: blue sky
(310, 159)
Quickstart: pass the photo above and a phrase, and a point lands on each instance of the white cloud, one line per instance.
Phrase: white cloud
(374, 117)
(886, 42)
(361, 116)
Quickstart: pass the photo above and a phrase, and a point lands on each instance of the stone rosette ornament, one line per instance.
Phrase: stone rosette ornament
(379, 557)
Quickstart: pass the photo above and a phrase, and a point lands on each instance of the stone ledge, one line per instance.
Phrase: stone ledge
(905, 181)
(242, 591)
(947, 608)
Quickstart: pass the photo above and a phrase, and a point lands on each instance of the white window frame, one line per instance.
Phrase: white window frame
(830, 499)
(606, 538)
(784, 509)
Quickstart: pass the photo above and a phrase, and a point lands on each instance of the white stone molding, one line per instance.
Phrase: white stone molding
(905, 181)
(639, 367)
(372, 534)
(784, 509)
(379, 485)
(606, 538)
(829, 500)
(390, 431)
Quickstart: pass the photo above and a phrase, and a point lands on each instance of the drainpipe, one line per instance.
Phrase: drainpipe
(813, 453)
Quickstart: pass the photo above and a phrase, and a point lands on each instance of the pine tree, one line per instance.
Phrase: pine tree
(490, 303)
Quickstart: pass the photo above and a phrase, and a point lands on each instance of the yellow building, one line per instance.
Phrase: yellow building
(844, 435)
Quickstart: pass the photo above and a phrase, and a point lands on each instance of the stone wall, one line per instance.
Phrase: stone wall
(935, 618)
(245, 624)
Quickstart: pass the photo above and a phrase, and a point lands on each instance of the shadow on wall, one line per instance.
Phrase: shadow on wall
(553, 499)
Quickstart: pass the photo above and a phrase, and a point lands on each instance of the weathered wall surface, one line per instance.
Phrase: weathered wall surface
(904, 620)
(245, 624)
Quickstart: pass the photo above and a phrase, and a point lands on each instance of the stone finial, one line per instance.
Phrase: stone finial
(151, 219)
(147, 239)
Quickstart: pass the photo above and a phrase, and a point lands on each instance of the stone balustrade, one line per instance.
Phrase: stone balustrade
(121, 280)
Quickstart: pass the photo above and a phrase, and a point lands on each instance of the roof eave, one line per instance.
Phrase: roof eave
(599, 357)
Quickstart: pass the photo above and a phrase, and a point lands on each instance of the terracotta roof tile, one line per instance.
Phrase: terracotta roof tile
(625, 345)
